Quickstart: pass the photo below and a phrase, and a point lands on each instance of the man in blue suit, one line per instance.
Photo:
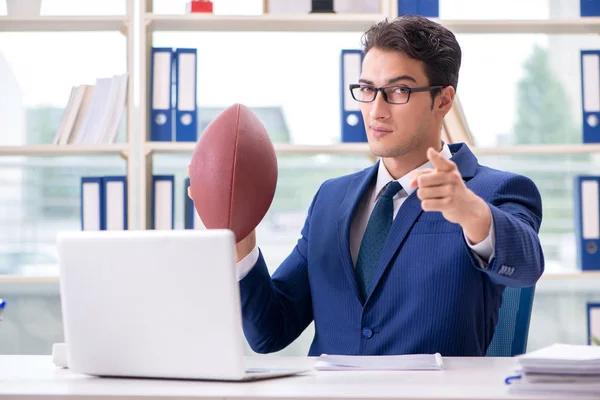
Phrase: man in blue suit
(412, 254)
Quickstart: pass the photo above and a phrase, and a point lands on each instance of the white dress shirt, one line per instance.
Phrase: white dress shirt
(483, 251)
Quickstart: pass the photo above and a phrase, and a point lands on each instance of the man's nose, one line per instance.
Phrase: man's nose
(380, 108)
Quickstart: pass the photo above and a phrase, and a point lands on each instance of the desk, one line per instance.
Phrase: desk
(35, 377)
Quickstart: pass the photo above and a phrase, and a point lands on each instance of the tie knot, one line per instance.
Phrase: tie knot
(391, 189)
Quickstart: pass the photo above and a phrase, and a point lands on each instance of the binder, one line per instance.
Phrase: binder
(408, 7)
(353, 128)
(429, 8)
(163, 202)
(186, 89)
(587, 221)
(92, 204)
(115, 202)
(161, 86)
(192, 219)
(589, 8)
(590, 93)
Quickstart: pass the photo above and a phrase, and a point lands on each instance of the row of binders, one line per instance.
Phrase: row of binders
(569, 370)
(173, 110)
(93, 113)
(104, 203)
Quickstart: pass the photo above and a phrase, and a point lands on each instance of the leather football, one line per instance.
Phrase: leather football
(233, 172)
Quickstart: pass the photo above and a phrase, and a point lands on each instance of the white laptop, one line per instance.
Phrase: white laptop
(154, 304)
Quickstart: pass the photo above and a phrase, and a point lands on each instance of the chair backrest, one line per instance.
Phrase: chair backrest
(512, 329)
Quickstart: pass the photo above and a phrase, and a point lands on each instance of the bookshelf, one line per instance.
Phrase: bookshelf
(140, 23)
(49, 24)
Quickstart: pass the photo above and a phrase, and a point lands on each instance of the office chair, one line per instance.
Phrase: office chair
(510, 336)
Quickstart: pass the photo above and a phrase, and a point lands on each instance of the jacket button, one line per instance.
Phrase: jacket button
(367, 332)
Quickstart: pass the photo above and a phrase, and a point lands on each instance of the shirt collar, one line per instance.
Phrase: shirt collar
(384, 177)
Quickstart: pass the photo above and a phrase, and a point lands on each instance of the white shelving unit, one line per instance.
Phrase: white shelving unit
(87, 23)
(139, 25)
(138, 151)
(319, 23)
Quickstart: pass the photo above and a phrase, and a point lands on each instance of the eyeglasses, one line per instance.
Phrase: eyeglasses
(391, 94)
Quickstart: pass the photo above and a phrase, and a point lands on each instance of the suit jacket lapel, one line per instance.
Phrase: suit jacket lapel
(352, 199)
(411, 210)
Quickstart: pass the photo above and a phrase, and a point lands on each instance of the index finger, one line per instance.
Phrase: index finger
(440, 163)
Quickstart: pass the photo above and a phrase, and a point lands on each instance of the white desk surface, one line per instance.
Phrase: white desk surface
(36, 377)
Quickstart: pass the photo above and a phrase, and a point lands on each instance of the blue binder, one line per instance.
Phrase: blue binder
(429, 8)
(190, 214)
(592, 337)
(408, 7)
(353, 127)
(92, 204)
(115, 202)
(589, 8)
(587, 221)
(161, 87)
(163, 202)
(590, 95)
(186, 126)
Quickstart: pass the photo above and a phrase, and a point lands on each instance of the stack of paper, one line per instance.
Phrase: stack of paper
(408, 362)
(560, 368)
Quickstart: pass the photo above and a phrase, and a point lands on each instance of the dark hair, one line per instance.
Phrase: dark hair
(421, 39)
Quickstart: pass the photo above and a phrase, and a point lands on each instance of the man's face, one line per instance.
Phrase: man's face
(397, 129)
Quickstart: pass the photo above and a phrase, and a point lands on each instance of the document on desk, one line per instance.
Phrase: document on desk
(406, 362)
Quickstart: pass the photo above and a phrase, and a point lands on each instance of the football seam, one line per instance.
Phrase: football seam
(237, 135)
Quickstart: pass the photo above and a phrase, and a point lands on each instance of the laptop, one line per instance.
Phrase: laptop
(154, 304)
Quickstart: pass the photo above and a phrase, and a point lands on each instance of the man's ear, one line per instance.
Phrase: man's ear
(444, 100)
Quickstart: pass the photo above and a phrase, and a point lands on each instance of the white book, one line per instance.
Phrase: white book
(65, 115)
(72, 113)
(117, 110)
(81, 114)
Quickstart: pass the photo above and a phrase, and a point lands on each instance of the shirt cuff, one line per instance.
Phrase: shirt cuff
(484, 251)
(247, 263)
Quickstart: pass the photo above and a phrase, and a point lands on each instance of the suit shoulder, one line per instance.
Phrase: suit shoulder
(342, 181)
(500, 180)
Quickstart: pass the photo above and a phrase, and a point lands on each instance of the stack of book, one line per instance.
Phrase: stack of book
(94, 112)
(572, 370)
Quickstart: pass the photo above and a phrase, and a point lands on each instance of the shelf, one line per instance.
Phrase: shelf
(280, 148)
(544, 26)
(580, 148)
(63, 23)
(363, 148)
(359, 23)
(48, 150)
(263, 23)
(559, 276)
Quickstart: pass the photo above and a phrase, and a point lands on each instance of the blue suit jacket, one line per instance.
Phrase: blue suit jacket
(429, 293)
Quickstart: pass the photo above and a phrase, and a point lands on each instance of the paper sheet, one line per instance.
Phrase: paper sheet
(408, 362)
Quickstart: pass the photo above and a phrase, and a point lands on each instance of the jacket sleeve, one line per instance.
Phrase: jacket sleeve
(277, 309)
(518, 260)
